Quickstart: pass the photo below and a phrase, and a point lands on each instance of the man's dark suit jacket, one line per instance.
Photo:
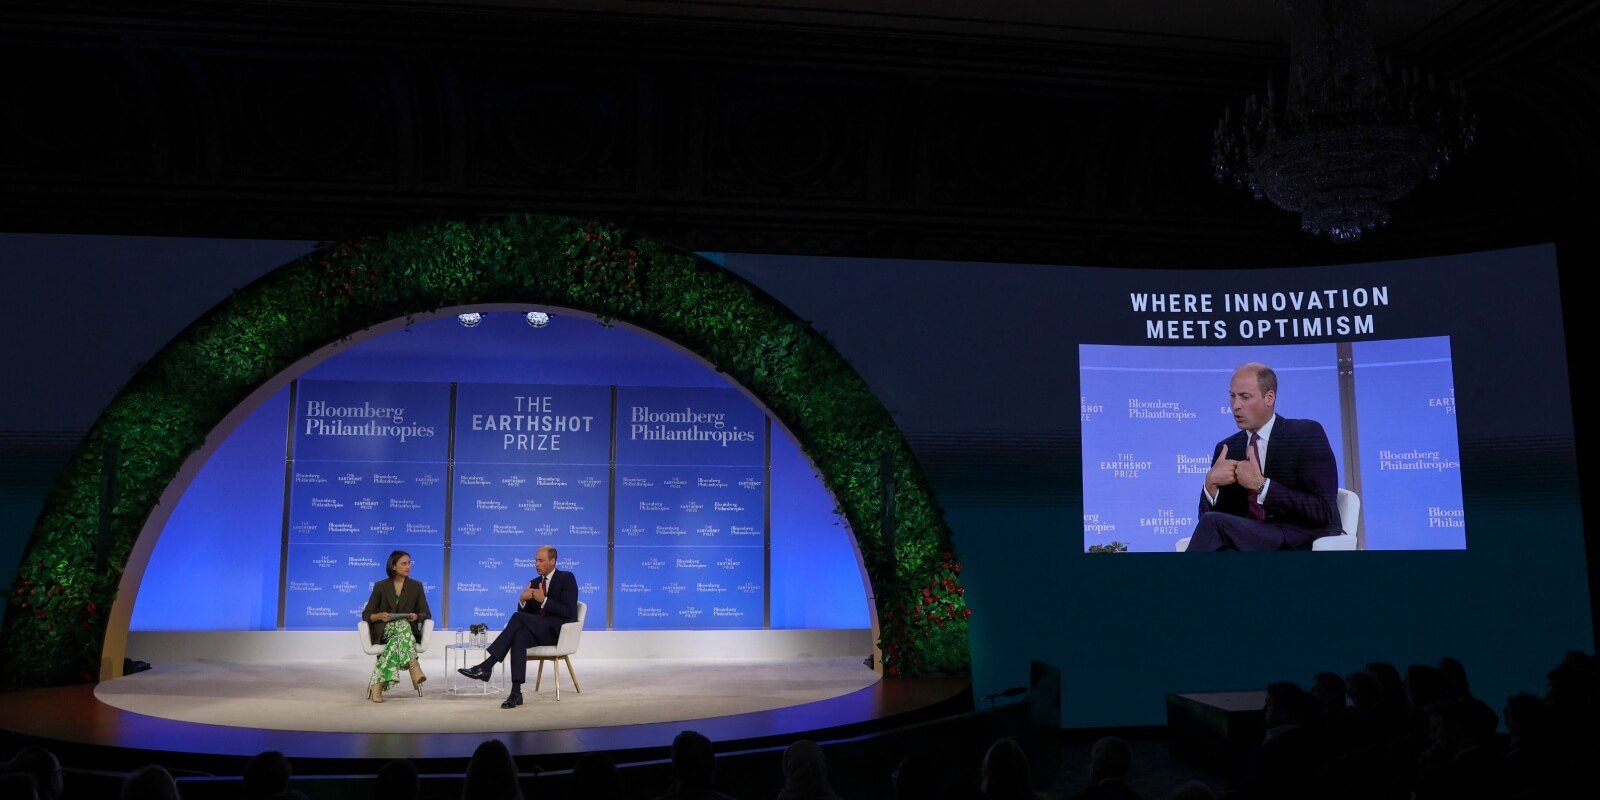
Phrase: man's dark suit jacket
(1302, 502)
(561, 605)
(412, 601)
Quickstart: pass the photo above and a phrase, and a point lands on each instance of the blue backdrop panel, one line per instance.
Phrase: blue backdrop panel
(371, 421)
(521, 424)
(688, 587)
(486, 581)
(367, 502)
(1410, 453)
(658, 425)
(328, 584)
(690, 506)
(1151, 417)
(557, 505)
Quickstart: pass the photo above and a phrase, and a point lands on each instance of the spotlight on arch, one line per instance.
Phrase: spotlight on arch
(470, 319)
(537, 319)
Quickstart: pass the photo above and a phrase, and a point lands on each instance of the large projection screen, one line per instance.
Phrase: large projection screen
(1060, 408)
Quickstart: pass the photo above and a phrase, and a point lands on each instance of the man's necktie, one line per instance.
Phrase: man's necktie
(1256, 511)
(544, 586)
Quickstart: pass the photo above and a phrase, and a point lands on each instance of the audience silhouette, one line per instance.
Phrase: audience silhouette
(266, 774)
(1007, 774)
(805, 773)
(43, 766)
(1109, 763)
(491, 774)
(694, 765)
(1371, 735)
(398, 780)
(150, 783)
(594, 777)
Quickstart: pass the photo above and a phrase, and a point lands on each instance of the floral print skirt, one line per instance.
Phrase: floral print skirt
(399, 650)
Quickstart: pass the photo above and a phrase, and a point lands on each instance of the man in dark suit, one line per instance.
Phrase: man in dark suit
(1271, 486)
(550, 601)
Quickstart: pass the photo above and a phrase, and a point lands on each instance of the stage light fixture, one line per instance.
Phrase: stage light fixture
(537, 319)
(470, 319)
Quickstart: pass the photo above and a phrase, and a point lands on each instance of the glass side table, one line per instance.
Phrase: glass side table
(464, 652)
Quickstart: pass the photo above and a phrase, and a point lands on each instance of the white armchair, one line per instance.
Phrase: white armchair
(560, 652)
(1349, 519)
(364, 628)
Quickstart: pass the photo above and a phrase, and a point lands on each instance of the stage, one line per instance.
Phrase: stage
(311, 705)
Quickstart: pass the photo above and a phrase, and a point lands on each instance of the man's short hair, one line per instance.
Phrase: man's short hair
(547, 549)
(1266, 379)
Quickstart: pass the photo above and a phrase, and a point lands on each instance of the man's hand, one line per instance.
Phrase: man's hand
(1222, 472)
(538, 595)
(1248, 472)
(527, 594)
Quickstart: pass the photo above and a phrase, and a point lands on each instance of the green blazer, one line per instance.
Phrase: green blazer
(411, 601)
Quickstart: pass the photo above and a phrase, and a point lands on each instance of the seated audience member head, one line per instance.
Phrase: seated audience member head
(43, 766)
(694, 763)
(1456, 672)
(1363, 690)
(1289, 704)
(1006, 774)
(916, 777)
(805, 773)
(398, 780)
(1391, 688)
(1427, 685)
(1329, 689)
(267, 774)
(1192, 790)
(18, 786)
(1110, 759)
(1527, 717)
(491, 774)
(594, 777)
(150, 783)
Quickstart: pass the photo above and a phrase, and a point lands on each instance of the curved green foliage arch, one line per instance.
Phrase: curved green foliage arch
(56, 623)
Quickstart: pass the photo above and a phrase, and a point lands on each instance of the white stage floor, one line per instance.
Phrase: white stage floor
(329, 694)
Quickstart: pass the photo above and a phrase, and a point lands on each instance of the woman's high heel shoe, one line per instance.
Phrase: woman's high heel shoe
(416, 676)
(375, 692)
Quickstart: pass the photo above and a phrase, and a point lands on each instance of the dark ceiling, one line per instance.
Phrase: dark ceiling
(1024, 131)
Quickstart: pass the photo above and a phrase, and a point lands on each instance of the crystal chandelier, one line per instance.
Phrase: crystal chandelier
(1346, 138)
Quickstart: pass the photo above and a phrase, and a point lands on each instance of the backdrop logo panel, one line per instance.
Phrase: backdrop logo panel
(371, 421)
(327, 584)
(517, 424)
(363, 501)
(689, 587)
(690, 505)
(1410, 453)
(688, 426)
(534, 504)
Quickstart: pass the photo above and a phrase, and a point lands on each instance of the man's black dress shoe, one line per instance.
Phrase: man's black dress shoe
(477, 673)
(512, 701)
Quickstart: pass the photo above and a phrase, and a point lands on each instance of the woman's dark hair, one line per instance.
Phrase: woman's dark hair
(491, 774)
(394, 558)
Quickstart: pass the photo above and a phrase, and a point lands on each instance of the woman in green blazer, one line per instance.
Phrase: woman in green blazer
(396, 610)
